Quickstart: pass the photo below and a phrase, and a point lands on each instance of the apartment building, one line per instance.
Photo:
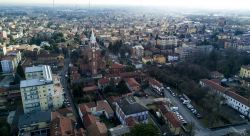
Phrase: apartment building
(127, 107)
(188, 51)
(40, 91)
(234, 100)
(245, 71)
(137, 52)
(166, 42)
(10, 61)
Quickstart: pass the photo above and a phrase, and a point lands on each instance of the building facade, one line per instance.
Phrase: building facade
(137, 52)
(39, 91)
(128, 107)
(245, 71)
(167, 42)
(236, 101)
(10, 61)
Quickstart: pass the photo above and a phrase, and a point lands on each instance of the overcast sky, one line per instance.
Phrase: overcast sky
(210, 4)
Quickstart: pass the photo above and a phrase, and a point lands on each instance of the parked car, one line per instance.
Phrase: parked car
(174, 109)
(189, 106)
(198, 116)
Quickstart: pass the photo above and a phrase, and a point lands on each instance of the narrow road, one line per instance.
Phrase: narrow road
(199, 129)
(67, 90)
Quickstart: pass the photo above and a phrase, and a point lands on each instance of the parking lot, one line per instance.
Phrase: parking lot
(186, 113)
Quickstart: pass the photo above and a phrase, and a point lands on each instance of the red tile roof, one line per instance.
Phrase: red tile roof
(84, 108)
(104, 105)
(117, 66)
(213, 85)
(239, 98)
(89, 119)
(90, 88)
(131, 121)
(132, 82)
(2, 91)
(103, 81)
(101, 127)
(172, 118)
(155, 82)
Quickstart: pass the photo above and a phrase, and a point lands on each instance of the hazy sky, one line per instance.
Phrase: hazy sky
(213, 4)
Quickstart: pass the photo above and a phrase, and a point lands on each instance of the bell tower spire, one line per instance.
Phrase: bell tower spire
(92, 38)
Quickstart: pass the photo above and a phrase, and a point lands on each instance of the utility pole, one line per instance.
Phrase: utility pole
(89, 4)
(53, 4)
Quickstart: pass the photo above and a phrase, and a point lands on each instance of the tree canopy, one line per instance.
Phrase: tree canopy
(144, 130)
(20, 71)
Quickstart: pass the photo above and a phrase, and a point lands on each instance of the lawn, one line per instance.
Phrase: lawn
(152, 106)
(226, 117)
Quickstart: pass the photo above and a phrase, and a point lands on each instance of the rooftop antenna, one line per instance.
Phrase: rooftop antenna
(89, 4)
(53, 4)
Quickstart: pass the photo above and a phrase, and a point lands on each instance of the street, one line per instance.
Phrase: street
(67, 90)
(199, 129)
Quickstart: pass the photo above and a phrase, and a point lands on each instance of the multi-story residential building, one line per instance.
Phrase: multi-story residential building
(166, 42)
(38, 72)
(37, 123)
(3, 34)
(137, 52)
(245, 71)
(189, 51)
(39, 92)
(10, 61)
(234, 100)
(8, 64)
(128, 107)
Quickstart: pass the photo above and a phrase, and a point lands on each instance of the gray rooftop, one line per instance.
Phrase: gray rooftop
(33, 118)
(33, 69)
(33, 82)
(130, 106)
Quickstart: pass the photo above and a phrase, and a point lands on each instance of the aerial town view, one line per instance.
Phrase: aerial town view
(124, 68)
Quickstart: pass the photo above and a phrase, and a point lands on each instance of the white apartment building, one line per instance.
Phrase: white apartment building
(236, 101)
(40, 91)
(188, 51)
(167, 41)
(137, 51)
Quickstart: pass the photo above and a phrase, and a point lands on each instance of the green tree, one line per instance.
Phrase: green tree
(4, 128)
(122, 87)
(77, 90)
(20, 71)
(145, 130)
(130, 68)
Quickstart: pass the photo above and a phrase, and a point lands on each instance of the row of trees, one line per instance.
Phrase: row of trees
(119, 48)
(56, 37)
(144, 130)
(227, 62)
(183, 77)
(113, 89)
